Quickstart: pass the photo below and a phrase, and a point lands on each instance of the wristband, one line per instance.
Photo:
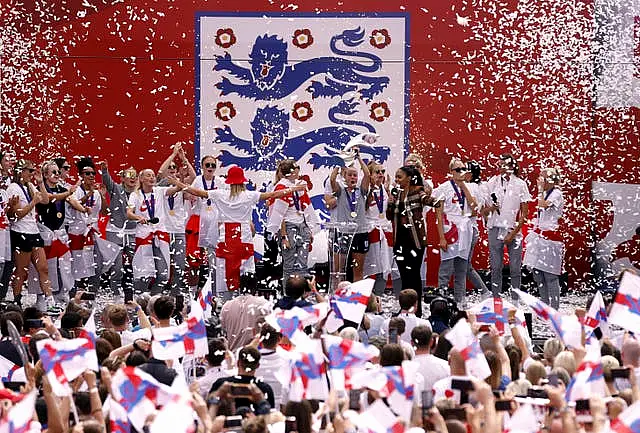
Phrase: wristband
(138, 308)
(94, 389)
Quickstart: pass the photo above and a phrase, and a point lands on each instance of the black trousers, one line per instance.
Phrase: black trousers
(409, 260)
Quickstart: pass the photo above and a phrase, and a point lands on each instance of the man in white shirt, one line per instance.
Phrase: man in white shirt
(215, 368)
(273, 366)
(408, 299)
(509, 197)
(432, 368)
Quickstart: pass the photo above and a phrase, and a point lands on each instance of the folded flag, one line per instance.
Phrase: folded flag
(188, 338)
(292, 322)
(64, 360)
(10, 371)
(588, 379)
(18, 418)
(349, 302)
(628, 421)
(138, 393)
(378, 418)
(308, 373)
(462, 338)
(597, 317)
(567, 327)
(175, 417)
(625, 311)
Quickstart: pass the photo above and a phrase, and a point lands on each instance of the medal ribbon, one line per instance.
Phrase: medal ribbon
(296, 200)
(460, 194)
(546, 196)
(353, 203)
(379, 200)
(172, 201)
(90, 201)
(26, 193)
(151, 206)
(58, 203)
(206, 188)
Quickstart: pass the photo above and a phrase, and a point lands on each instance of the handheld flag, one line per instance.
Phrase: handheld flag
(628, 421)
(597, 317)
(378, 418)
(205, 298)
(308, 373)
(19, 417)
(494, 311)
(64, 360)
(589, 377)
(292, 322)
(462, 338)
(350, 302)
(625, 311)
(344, 356)
(188, 338)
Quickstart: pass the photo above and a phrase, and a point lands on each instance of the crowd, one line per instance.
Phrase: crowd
(186, 343)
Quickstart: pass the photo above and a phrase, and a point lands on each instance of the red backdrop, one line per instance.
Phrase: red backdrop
(117, 82)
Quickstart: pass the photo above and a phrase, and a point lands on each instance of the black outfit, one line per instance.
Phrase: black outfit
(287, 303)
(159, 370)
(51, 214)
(240, 402)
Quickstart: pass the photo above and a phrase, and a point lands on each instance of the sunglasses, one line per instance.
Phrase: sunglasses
(130, 175)
(173, 167)
(383, 171)
(460, 170)
(89, 173)
(66, 167)
(55, 172)
(210, 165)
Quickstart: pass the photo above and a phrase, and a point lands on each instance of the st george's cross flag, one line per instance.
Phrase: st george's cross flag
(462, 338)
(188, 338)
(139, 394)
(64, 360)
(566, 326)
(597, 317)
(18, 418)
(292, 322)
(118, 418)
(494, 311)
(588, 379)
(625, 311)
(378, 418)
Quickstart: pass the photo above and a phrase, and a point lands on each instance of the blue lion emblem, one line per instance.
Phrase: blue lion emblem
(271, 143)
(270, 77)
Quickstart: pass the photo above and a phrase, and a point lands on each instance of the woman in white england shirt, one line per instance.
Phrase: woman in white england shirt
(545, 249)
(26, 241)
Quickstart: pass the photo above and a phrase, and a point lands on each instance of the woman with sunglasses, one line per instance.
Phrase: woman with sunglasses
(51, 217)
(25, 236)
(455, 229)
(65, 171)
(379, 258)
(295, 221)
(91, 254)
(234, 209)
(206, 212)
(477, 188)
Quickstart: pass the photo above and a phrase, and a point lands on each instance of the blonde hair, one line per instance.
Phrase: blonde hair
(567, 361)
(414, 156)
(453, 162)
(236, 189)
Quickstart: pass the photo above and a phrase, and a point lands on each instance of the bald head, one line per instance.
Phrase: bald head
(456, 363)
(630, 352)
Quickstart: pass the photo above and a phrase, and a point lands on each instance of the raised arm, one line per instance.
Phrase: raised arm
(107, 180)
(281, 193)
(333, 180)
(186, 163)
(366, 176)
(162, 171)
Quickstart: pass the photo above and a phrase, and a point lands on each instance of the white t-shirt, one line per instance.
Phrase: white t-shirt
(509, 194)
(432, 369)
(149, 205)
(234, 209)
(272, 367)
(27, 224)
(175, 213)
(479, 193)
(446, 192)
(201, 183)
(79, 221)
(548, 218)
(375, 214)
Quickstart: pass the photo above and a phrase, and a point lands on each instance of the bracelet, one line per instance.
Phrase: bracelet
(94, 389)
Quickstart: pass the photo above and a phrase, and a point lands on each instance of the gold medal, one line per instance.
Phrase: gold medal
(59, 215)
(354, 214)
(172, 212)
(381, 216)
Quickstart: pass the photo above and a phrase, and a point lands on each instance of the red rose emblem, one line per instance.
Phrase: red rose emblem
(302, 111)
(302, 38)
(225, 38)
(225, 111)
(380, 38)
(379, 111)
(448, 393)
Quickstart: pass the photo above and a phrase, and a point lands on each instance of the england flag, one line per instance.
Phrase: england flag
(625, 311)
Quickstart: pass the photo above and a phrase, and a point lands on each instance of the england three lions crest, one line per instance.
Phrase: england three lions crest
(300, 86)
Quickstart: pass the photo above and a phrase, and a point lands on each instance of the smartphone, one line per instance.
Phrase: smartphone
(622, 373)
(462, 384)
(290, 424)
(582, 406)
(33, 323)
(504, 405)
(13, 386)
(240, 391)
(393, 336)
(455, 413)
(88, 296)
(354, 400)
(537, 392)
(427, 402)
(233, 423)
